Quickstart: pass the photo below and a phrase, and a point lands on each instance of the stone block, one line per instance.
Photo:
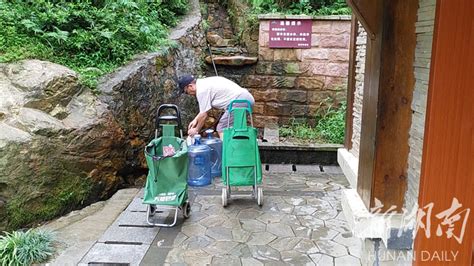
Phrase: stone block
(336, 83)
(290, 68)
(339, 27)
(266, 54)
(265, 95)
(259, 108)
(318, 68)
(294, 110)
(292, 96)
(263, 39)
(278, 68)
(261, 120)
(315, 40)
(310, 83)
(283, 82)
(337, 69)
(235, 60)
(114, 254)
(318, 97)
(285, 54)
(339, 55)
(315, 53)
(272, 109)
(129, 234)
(322, 26)
(332, 41)
(264, 25)
(214, 39)
(257, 81)
(264, 68)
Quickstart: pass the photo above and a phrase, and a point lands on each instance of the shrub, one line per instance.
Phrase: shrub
(25, 248)
(331, 126)
(307, 7)
(92, 37)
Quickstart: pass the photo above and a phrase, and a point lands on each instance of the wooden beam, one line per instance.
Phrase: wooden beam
(447, 168)
(351, 84)
(366, 12)
(386, 114)
(369, 113)
(394, 115)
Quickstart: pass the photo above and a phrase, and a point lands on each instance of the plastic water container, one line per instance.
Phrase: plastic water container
(199, 173)
(216, 152)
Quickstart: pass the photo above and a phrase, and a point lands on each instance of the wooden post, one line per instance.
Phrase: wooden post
(386, 109)
(351, 84)
(447, 168)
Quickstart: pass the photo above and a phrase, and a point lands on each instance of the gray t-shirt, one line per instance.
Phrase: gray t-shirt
(218, 92)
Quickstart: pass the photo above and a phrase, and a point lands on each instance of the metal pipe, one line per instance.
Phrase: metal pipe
(212, 59)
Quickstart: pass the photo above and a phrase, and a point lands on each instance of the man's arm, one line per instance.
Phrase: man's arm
(197, 124)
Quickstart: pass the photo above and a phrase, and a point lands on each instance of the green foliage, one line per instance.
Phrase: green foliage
(25, 248)
(331, 125)
(329, 128)
(300, 130)
(92, 37)
(307, 7)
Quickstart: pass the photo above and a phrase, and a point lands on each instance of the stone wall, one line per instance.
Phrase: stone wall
(361, 48)
(424, 39)
(300, 83)
(134, 92)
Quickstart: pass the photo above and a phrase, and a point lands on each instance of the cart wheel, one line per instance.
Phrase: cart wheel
(259, 196)
(186, 209)
(224, 197)
(152, 210)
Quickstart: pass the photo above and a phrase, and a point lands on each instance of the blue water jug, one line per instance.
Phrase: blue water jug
(216, 152)
(199, 173)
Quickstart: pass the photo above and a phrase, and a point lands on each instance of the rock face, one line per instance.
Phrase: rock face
(59, 146)
(62, 146)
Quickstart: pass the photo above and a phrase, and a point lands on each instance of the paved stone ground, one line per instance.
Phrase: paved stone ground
(300, 223)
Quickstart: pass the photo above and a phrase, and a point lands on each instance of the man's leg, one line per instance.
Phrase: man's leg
(223, 123)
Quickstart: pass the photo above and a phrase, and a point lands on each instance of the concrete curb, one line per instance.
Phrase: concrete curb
(79, 230)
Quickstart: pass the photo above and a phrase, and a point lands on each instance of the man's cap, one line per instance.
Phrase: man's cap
(184, 81)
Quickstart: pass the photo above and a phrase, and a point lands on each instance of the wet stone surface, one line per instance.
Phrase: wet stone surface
(300, 223)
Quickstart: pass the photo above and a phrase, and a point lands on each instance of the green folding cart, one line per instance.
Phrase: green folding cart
(240, 156)
(166, 185)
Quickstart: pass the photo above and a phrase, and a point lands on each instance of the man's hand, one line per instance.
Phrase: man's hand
(193, 124)
(192, 131)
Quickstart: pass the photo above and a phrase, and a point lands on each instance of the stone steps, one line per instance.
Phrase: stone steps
(222, 40)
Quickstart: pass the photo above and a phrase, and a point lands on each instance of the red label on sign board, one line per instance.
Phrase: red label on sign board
(290, 33)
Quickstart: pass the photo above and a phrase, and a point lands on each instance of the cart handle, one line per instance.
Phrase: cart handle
(249, 105)
(176, 117)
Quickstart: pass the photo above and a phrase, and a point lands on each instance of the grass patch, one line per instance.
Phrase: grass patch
(330, 128)
(92, 37)
(307, 7)
(25, 247)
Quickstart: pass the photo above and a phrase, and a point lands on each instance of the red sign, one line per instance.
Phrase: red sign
(290, 33)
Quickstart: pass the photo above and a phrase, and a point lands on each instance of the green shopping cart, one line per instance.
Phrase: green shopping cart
(167, 160)
(240, 156)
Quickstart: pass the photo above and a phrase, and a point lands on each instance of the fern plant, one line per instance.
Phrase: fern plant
(25, 247)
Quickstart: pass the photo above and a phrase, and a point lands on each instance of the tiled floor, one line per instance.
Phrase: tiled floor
(300, 223)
